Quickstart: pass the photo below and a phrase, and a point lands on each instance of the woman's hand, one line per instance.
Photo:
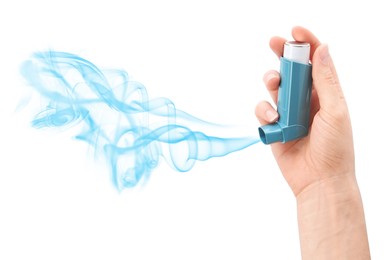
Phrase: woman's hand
(327, 151)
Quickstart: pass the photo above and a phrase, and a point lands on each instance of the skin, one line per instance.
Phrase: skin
(320, 168)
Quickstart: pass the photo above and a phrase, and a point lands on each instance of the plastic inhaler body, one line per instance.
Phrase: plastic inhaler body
(294, 96)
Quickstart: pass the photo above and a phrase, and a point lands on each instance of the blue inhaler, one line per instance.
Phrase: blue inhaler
(294, 96)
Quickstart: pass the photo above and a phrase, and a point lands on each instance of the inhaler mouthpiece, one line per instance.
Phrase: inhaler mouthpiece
(294, 96)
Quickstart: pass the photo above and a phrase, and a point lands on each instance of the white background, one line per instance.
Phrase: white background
(56, 202)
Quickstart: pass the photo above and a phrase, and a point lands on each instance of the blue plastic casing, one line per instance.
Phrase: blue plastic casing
(293, 104)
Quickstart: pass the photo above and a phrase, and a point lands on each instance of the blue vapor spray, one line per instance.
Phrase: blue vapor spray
(114, 114)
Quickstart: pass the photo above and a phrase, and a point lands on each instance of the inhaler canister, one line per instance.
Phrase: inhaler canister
(294, 96)
(297, 51)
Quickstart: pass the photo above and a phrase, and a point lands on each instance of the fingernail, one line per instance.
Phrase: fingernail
(271, 115)
(268, 77)
(324, 54)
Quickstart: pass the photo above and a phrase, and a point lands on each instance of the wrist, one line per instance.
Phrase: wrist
(336, 188)
(331, 220)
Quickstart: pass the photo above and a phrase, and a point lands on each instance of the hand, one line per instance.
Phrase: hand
(327, 152)
(320, 168)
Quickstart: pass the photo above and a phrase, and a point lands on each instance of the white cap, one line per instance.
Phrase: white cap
(297, 51)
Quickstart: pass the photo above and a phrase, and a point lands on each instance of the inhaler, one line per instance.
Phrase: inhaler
(294, 96)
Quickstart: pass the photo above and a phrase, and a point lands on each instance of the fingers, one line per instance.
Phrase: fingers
(325, 80)
(276, 43)
(327, 92)
(271, 80)
(299, 34)
(265, 113)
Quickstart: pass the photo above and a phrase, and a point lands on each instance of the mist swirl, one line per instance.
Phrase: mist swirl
(114, 114)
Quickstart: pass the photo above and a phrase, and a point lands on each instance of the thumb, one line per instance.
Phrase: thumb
(325, 79)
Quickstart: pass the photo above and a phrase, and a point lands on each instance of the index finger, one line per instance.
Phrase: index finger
(299, 34)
